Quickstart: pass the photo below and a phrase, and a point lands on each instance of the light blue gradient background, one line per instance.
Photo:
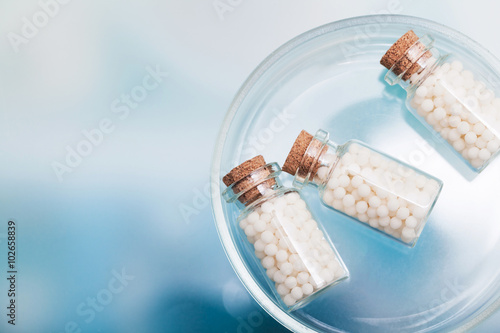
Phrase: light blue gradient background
(121, 208)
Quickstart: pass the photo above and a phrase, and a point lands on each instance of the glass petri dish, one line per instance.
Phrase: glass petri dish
(330, 78)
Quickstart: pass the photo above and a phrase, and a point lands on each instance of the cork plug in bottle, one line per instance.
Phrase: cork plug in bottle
(446, 97)
(369, 186)
(294, 253)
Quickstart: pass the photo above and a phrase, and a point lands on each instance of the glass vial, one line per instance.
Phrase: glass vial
(295, 252)
(446, 97)
(374, 188)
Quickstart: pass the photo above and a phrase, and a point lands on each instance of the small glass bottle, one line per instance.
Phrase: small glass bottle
(295, 252)
(374, 188)
(446, 97)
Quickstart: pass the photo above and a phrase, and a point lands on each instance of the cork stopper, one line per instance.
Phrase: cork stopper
(247, 178)
(299, 148)
(303, 156)
(403, 55)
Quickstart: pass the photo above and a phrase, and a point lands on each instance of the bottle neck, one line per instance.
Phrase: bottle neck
(255, 187)
(415, 65)
(318, 161)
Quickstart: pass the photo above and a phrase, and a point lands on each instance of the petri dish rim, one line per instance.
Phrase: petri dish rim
(216, 199)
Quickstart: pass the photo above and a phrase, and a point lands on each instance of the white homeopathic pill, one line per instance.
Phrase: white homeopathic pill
(411, 222)
(267, 236)
(470, 138)
(395, 223)
(260, 225)
(339, 192)
(268, 262)
(463, 127)
(364, 190)
(289, 300)
(484, 154)
(374, 201)
(348, 200)
(393, 204)
(379, 191)
(282, 289)
(307, 288)
(290, 282)
(252, 217)
(297, 293)
(302, 278)
(403, 213)
(355, 182)
(493, 146)
(440, 113)
(284, 233)
(281, 255)
(271, 249)
(427, 105)
(382, 211)
(361, 207)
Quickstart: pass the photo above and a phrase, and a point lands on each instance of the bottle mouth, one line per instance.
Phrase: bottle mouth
(310, 162)
(412, 61)
(258, 183)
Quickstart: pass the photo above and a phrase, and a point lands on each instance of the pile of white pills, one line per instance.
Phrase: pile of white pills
(292, 248)
(462, 110)
(378, 191)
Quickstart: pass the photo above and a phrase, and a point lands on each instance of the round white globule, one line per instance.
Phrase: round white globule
(307, 288)
(427, 105)
(302, 278)
(403, 213)
(411, 222)
(484, 154)
(356, 181)
(278, 277)
(267, 236)
(297, 293)
(289, 300)
(268, 262)
(470, 138)
(259, 226)
(282, 290)
(393, 204)
(361, 207)
(364, 190)
(493, 146)
(271, 271)
(281, 256)
(344, 181)
(339, 193)
(348, 200)
(259, 245)
(395, 223)
(253, 217)
(290, 282)
(374, 201)
(286, 268)
(382, 211)
(384, 221)
(250, 231)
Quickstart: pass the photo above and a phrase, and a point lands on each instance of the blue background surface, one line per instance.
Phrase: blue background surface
(137, 205)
